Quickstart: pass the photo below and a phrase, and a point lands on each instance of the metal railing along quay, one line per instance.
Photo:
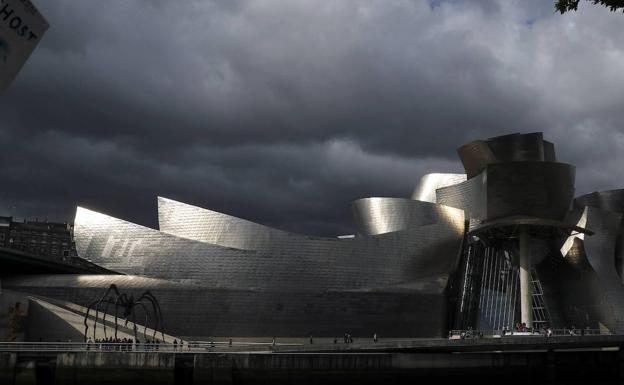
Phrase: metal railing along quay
(472, 334)
(462, 337)
(124, 347)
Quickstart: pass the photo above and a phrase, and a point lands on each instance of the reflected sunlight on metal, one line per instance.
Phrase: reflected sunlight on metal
(427, 185)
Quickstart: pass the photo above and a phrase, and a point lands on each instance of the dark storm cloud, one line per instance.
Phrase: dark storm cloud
(284, 112)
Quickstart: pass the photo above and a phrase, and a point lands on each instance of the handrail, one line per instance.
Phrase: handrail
(190, 347)
(565, 332)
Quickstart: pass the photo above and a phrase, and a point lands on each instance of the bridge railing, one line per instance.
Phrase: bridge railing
(470, 333)
(186, 347)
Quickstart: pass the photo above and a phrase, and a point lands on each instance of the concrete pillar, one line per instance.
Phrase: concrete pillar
(526, 286)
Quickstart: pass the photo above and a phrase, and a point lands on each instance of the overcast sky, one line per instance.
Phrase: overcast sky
(283, 112)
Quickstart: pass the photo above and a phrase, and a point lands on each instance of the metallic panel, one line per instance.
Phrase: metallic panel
(210, 226)
(535, 189)
(513, 189)
(475, 156)
(611, 200)
(469, 196)
(306, 263)
(198, 312)
(383, 215)
(427, 185)
(305, 274)
(593, 292)
(549, 152)
(518, 147)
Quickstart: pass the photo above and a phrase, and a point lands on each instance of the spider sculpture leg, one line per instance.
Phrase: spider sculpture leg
(156, 320)
(117, 301)
(134, 328)
(86, 318)
(108, 302)
(127, 304)
(159, 321)
(146, 320)
(112, 288)
(96, 304)
(158, 310)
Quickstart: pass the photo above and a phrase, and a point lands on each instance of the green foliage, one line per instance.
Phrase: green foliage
(16, 318)
(563, 6)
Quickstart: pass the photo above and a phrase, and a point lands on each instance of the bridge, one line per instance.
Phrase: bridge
(18, 262)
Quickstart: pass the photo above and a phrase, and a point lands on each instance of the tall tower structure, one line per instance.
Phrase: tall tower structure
(517, 197)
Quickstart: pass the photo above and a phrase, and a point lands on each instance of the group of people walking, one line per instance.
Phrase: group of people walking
(348, 338)
(110, 343)
(124, 344)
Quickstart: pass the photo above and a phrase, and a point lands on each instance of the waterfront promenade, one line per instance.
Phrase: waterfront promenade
(565, 359)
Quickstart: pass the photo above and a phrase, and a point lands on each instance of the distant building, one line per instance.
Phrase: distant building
(40, 238)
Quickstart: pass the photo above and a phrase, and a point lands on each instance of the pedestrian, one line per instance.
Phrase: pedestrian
(175, 345)
(311, 341)
(375, 337)
(273, 342)
(230, 343)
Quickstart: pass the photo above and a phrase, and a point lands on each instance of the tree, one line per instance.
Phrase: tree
(564, 6)
(16, 321)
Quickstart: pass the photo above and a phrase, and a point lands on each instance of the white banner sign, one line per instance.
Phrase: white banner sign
(21, 28)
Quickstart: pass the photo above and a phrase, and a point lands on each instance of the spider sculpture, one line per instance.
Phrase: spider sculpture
(128, 305)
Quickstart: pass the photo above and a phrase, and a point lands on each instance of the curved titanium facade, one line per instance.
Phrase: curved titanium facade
(477, 155)
(198, 312)
(375, 216)
(611, 200)
(534, 189)
(306, 264)
(413, 270)
(213, 228)
(518, 147)
(469, 196)
(288, 277)
(592, 293)
(209, 226)
(425, 190)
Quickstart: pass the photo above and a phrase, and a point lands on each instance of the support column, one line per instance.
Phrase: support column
(526, 286)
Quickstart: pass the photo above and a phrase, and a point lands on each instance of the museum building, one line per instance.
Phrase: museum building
(504, 243)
